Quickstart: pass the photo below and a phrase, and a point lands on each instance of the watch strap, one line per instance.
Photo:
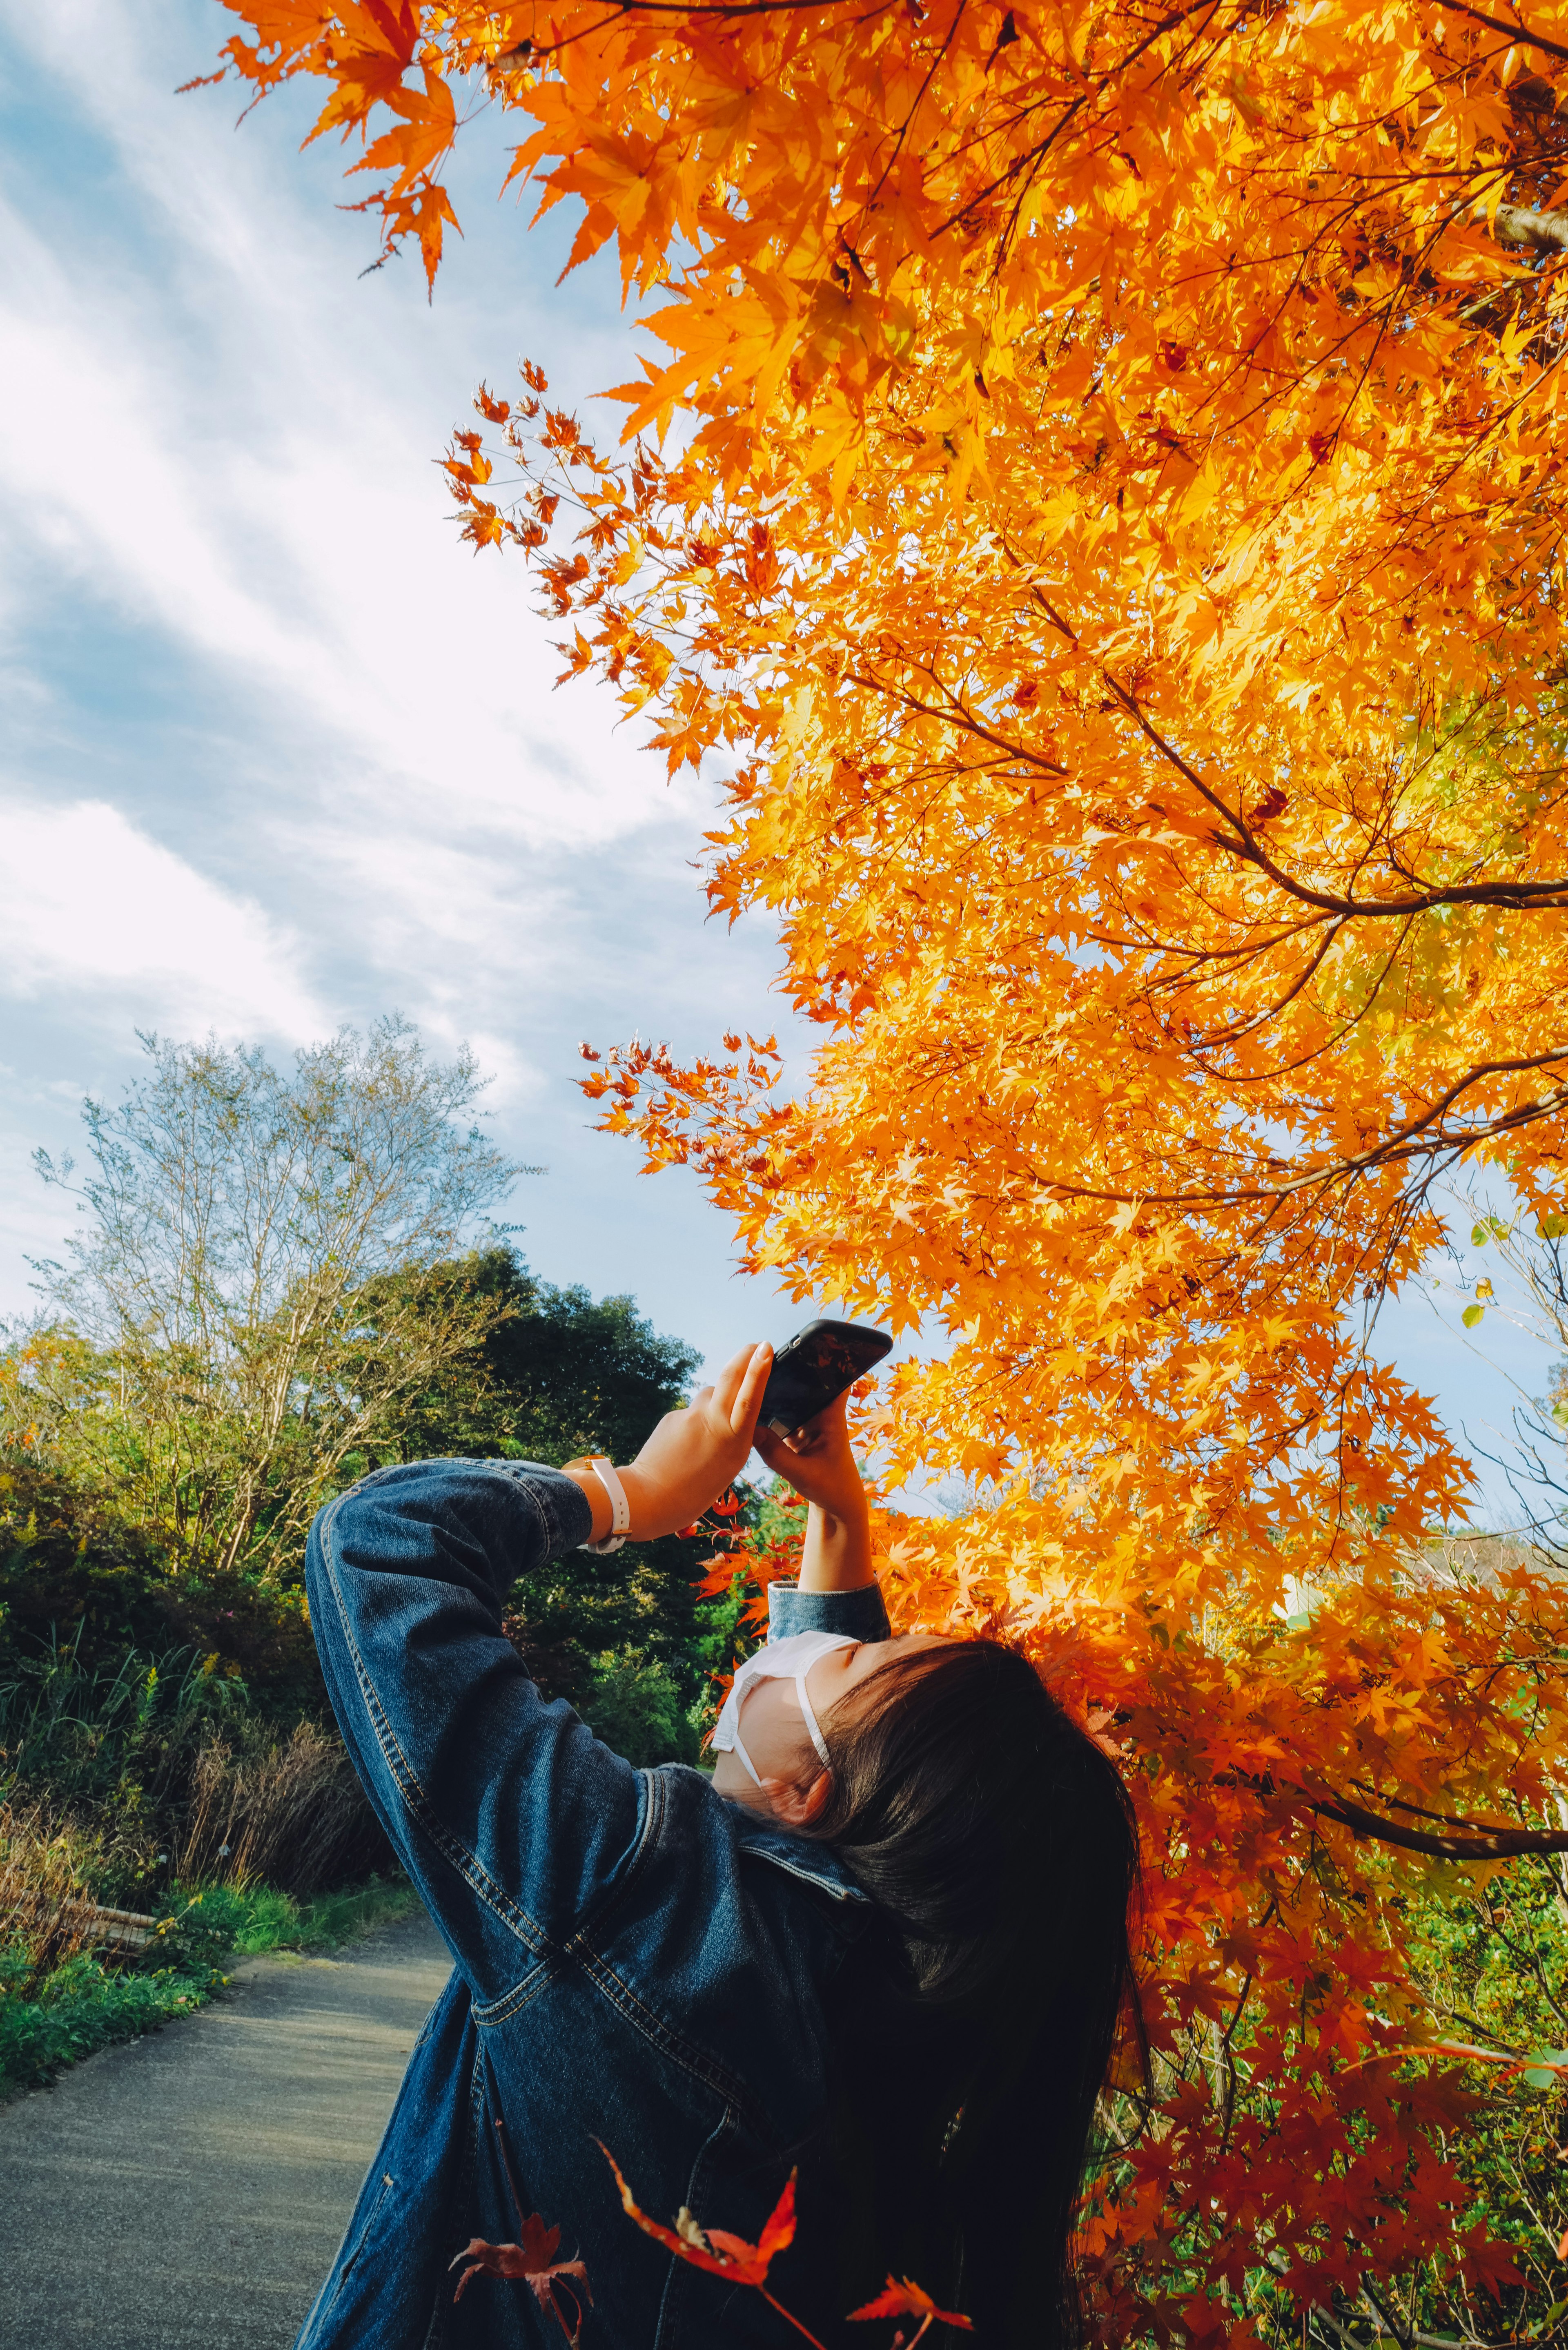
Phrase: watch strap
(620, 1507)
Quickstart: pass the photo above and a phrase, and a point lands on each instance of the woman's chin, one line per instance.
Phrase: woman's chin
(731, 1782)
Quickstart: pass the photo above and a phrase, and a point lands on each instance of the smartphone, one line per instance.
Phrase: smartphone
(817, 1364)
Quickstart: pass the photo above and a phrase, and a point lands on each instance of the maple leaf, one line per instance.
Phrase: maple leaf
(721, 2254)
(530, 2262)
(715, 2250)
(901, 2297)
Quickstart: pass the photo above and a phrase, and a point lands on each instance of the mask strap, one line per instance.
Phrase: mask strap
(739, 1748)
(811, 1723)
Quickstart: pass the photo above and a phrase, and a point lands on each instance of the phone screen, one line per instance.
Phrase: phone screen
(817, 1364)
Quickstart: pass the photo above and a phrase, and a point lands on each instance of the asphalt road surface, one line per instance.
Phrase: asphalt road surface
(187, 2191)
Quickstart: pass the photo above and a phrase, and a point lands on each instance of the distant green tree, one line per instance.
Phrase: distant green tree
(627, 1638)
(554, 1373)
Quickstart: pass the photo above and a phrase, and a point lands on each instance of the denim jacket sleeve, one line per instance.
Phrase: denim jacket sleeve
(508, 1813)
(859, 1613)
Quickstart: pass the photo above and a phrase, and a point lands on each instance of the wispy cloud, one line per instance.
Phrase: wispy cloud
(105, 910)
(281, 752)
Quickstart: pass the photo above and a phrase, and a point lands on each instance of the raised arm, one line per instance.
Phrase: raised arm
(818, 1462)
(508, 1813)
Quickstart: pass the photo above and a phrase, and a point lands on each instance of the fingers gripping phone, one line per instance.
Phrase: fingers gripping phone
(816, 1365)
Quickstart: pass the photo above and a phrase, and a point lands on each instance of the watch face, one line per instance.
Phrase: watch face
(816, 1365)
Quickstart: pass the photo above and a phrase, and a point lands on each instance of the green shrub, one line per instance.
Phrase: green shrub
(82, 2006)
(634, 1704)
(76, 1576)
(268, 1919)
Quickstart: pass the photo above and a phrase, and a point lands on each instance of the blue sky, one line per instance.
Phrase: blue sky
(278, 753)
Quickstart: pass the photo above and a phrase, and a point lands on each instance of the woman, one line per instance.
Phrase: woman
(884, 1946)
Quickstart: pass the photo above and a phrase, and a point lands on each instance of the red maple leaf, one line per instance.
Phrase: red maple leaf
(714, 2248)
(530, 2262)
(904, 2298)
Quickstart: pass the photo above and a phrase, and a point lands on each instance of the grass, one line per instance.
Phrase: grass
(85, 2003)
(276, 1921)
(82, 2005)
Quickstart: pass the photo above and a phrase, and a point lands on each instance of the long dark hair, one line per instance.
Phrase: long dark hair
(973, 2025)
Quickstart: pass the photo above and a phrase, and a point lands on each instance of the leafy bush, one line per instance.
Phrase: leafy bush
(76, 1578)
(82, 2005)
(634, 1705)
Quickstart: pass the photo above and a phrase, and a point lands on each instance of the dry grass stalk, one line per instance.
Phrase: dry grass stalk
(293, 1816)
(44, 1906)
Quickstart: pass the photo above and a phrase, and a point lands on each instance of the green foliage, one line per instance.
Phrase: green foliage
(633, 1703)
(88, 2001)
(83, 2005)
(556, 1373)
(72, 1567)
(265, 1920)
(1491, 1954)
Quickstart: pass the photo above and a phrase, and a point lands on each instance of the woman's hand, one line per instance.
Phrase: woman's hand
(693, 1456)
(818, 1462)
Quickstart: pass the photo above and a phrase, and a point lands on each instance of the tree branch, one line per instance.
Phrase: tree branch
(1500, 25)
(1547, 232)
(1499, 1843)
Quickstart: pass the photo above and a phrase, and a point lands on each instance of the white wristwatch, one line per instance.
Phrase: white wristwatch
(620, 1507)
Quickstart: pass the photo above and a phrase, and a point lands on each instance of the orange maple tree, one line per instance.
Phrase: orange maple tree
(1111, 552)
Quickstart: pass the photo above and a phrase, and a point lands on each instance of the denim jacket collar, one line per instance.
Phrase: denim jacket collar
(814, 1863)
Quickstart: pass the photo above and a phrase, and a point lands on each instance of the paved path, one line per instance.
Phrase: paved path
(187, 2191)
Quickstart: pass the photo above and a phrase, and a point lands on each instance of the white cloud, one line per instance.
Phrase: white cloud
(232, 440)
(94, 907)
(283, 753)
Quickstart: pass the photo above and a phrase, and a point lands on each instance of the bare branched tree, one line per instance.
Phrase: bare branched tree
(222, 1335)
(1533, 1254)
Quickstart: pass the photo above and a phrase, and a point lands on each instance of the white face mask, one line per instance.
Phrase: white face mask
(776, 1660)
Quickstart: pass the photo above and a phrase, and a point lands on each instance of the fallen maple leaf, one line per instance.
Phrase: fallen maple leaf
(532, 2261)
(904, 2298)
(714, 2248)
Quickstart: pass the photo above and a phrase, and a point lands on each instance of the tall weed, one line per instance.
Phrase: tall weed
(292, 1814)
(168, 1773)
(47, 1910)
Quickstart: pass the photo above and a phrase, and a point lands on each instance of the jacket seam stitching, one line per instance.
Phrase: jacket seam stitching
(548, 1969)
(651, 1803)
(612, 1986)
(417, 1803)
(849, 1894)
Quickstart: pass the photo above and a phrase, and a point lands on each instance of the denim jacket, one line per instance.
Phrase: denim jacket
(635, 1960)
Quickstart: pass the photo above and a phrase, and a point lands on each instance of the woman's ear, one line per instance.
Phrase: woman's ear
(794, 1805)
